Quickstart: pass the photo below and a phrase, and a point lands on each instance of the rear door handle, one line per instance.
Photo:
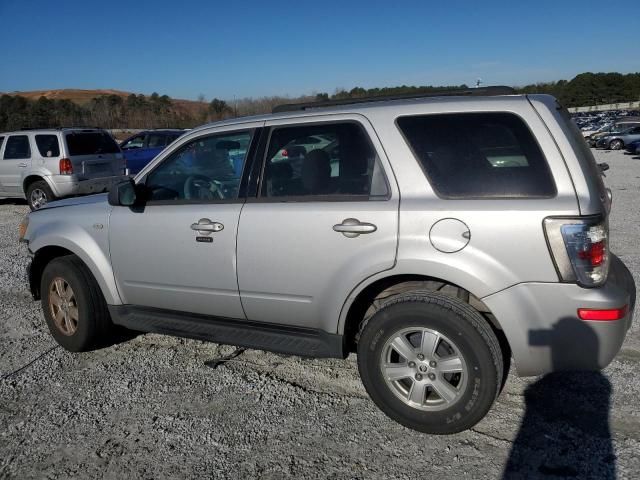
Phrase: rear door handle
(352, 227)
(22, 165)
(206, 226)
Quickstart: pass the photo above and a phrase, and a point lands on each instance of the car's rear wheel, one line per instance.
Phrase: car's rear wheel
(73, 306)
(431, 362)
(616, 144)
(39, 194)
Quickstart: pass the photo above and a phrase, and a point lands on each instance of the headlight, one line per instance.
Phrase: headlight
(22, 228)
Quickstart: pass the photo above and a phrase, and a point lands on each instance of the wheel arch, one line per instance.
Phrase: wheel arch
(33, 177)
(49, 247)
(357, 306)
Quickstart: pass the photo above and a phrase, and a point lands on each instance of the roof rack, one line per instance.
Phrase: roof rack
(462, 92)
(61, 128)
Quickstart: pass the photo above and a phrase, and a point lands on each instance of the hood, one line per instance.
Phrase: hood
(85, 200)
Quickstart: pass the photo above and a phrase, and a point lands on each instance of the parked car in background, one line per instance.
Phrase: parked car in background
(141, 148)
(499, 248)
(617, 141)
(613, 129)
(43, 165)
(633, 147)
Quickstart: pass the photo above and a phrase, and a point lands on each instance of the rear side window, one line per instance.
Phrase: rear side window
(328, 160)
(48, 145)
(17, 148)
(479, 155)
(90, 143)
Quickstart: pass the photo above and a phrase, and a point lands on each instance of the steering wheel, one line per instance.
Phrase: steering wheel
(201, 187)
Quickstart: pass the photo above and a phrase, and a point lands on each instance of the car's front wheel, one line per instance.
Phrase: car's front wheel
(73, 306)
(616, 144)
(430, 362)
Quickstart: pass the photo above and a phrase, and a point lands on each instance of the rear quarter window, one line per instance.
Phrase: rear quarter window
(48, 145)
(90, 143)
(479, 155)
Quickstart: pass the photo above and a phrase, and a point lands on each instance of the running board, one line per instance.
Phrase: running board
(305, 342)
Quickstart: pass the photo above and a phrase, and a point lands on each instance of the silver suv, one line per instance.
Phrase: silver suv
(436, 237)
(43, 165)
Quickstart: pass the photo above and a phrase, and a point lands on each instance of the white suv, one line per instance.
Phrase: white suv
(43, 165)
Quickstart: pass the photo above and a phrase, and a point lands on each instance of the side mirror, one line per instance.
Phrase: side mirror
(123, 194)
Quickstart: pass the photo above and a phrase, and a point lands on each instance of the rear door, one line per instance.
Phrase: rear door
(321, 222)
(93, 154)
(16, 159)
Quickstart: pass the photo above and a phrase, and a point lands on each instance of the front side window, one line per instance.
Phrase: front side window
(479, 155)
(133, 143)
(334, 159)
(17, 148)
(205, 169)
(48, 145)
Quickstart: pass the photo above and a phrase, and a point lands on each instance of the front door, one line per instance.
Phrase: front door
(177, 252)
(325, 218)
(16, 159)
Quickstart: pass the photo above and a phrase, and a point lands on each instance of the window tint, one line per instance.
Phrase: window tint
(17, 147)
(156, 140)
(479, 155)
(90, 143)
(205, 169)
(328, 159)
(48, 145)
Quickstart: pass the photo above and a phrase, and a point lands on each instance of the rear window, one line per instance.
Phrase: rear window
(479, 155)
(48, 145)
(90, 143)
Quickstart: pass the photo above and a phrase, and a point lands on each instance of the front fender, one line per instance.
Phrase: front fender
(91, 250)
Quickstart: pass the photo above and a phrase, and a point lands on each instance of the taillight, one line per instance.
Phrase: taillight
(580, 248)
(65, 166)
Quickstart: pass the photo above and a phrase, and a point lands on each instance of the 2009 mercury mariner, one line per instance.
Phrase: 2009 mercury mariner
(436, 236)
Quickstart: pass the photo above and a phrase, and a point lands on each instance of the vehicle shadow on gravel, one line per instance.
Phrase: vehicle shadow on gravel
(13, 201)
(565, 430)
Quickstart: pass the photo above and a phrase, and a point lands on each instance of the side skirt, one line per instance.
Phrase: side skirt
(305, 342)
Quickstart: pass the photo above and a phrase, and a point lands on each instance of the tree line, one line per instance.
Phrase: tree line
(160, 111)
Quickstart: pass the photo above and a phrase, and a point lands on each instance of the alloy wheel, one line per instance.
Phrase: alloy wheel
(63, 306)
(423, 368)
(38, 198)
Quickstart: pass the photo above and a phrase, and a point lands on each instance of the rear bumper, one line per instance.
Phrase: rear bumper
(541, 324)
(69, 185)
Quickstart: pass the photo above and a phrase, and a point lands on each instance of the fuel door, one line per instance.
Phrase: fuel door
(449, 235)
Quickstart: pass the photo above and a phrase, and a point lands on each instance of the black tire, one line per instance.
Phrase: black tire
(93, 326)
(616, 144)
(39, 187)
(474, 340)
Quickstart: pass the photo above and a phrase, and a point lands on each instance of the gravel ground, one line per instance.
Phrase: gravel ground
(149, 407)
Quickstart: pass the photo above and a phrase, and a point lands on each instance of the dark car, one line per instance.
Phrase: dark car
(633, 147)
(143, 147)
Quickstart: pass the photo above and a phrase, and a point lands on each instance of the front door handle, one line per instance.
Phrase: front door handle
(352, 227)
(22, 165)
(206, 226)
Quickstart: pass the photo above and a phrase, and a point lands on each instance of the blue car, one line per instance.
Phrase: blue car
(633, 147)
(143, 147)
